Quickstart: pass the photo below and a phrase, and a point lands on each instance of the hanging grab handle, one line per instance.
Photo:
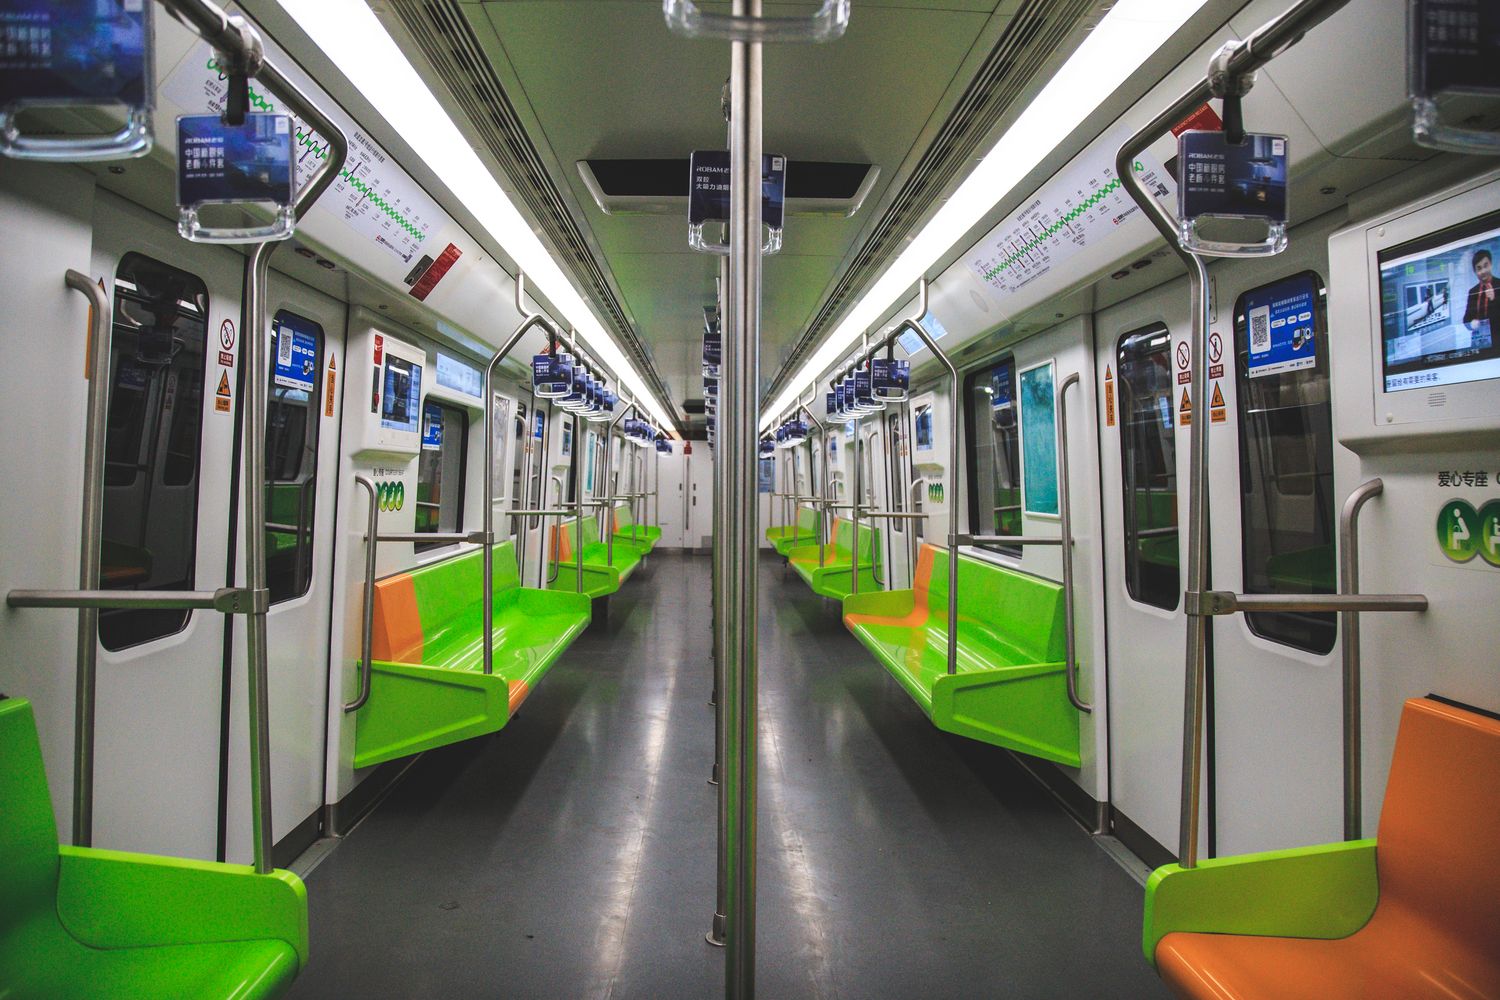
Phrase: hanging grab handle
(829, 23)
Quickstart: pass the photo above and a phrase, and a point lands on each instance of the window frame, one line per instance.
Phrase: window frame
(1264, 624)
(164, 623)
(1127, 504)
(314, 432)
(462, 465)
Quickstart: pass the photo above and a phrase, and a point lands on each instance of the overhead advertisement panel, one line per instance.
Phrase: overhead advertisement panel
(372, 195)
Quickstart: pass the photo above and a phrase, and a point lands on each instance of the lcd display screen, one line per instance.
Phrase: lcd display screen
(454, 374)
(1437, 297)
(923, 432)
(401, 397)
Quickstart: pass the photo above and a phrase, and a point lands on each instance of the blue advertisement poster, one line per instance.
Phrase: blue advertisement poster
(541, 425)
(67, 51)
(1219, 179)
(1039, 440)
(1279, 326)
(1437, 300)
(234, 163)
(767, 475)
(296, 356)
(432, 427)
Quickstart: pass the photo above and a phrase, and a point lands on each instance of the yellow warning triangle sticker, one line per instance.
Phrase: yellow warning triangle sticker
(1187, 404)
(331, 365)
(223, 384)
(1218, 401)
(1108, 377)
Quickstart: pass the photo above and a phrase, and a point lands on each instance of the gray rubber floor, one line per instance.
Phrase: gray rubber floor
(572, 854)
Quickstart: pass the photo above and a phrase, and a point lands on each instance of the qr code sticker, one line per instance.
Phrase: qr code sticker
(1260, 330)
(284, 348)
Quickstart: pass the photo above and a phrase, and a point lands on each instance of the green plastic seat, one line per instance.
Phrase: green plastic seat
(786, 537)
(427, 682)
(834, 578)
(641, 536)
(1010, 687)
(603, 572)
(82, 923)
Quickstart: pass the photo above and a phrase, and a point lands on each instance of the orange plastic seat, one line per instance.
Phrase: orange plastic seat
(1435, 926)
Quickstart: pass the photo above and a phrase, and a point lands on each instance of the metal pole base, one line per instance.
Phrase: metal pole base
(715, 936)
(714, 777)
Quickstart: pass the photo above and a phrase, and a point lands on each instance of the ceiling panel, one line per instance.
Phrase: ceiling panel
(606, 79)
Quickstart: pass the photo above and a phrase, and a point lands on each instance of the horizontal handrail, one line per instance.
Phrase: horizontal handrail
(1008, 540)
(473, 537)
(225, 600)
(894, 515)
(1224, 602)
(560, 512)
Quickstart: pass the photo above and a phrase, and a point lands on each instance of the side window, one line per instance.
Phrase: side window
(292, 453)
(1148, 463)
(994, 453)
(1286, 454)
(440, 470)
(152, 443)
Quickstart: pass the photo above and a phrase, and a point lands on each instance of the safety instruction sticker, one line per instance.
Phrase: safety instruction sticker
(1216, 409)
(222, 395)
(328, 387)
(1185, 411)
(1109, 397)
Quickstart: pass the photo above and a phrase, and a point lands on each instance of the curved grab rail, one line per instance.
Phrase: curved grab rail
(686, 18)
(367, 620)
(1066, 526)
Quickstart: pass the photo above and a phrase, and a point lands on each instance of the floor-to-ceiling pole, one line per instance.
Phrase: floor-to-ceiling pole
(717, 933)
(738, 412)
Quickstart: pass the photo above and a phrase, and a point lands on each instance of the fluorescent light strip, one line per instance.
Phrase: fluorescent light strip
(352, 37)
(1128, 35)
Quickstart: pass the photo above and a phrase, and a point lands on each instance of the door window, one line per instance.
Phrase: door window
(292, 453)
(994, 453)
(1287, 506)
(152, 443)
(1148, 464)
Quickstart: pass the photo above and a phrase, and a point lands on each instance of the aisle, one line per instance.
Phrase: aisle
(572, 854)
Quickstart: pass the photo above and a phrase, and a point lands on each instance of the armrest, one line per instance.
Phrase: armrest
(1326, 891)
(113, 899)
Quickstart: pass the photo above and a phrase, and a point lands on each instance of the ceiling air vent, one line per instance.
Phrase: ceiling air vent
(660, 187)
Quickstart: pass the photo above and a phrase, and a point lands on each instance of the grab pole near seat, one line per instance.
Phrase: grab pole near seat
(823, 463)
(914, 324)
(1232, 71)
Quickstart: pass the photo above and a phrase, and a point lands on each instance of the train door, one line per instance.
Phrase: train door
(874, 496)
(305, 368)
(1274, 513)
(170, 461)
(898, 497)
(1143, 465)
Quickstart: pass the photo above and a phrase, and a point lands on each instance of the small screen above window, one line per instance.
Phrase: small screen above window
(458, 376)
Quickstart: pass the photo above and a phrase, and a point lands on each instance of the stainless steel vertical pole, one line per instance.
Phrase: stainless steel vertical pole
(823, 463)
(718, 933)
(1197, 570)
(1065, 506)
(101, 326)
(739, 407)
(1349, 584)
(855, 496)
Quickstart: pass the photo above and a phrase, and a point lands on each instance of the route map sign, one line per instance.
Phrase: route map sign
(1081, 206)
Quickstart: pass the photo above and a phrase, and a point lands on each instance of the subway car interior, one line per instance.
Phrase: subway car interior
(462, 541)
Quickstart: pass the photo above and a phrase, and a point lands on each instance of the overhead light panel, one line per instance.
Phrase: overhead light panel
(357, 43)
(1127, 36)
